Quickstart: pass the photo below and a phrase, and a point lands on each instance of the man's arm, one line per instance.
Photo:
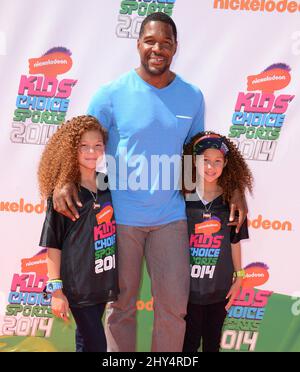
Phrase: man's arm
(198, 121)
(237, 203)
(64, 200)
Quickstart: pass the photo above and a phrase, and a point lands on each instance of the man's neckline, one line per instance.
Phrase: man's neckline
(175, 77)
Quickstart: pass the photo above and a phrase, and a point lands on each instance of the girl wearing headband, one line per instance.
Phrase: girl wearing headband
(213, 169)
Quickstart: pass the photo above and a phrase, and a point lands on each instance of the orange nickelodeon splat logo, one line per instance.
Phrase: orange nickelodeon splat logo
(143, 305)
(208, 227)
(256, 274)
(105, 215)
(36, 264)
(274, 77)
(55, 61)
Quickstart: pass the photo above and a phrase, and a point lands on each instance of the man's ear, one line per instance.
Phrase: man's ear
(176, 45)
(225, 163)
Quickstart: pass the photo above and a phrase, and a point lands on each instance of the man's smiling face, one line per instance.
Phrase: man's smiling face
(157, 46)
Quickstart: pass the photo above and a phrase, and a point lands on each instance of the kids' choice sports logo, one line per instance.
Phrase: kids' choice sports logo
(105, 240)
(43, 97)
(28, 311)
(260, 113)
(241, 326)
(132, 14)
(205, 248)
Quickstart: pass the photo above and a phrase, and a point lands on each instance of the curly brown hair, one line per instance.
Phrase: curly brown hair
(59, 161)
(235, 176)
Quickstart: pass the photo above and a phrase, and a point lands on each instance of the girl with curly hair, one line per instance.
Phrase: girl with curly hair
(81, 253)
(217, 170)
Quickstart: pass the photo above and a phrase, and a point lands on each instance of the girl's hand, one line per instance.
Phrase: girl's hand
(60, 305)
(234, 290)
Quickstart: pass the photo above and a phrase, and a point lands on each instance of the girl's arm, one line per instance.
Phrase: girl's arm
(59, 302)
(236, 256)
(53, 263)
(237, 265)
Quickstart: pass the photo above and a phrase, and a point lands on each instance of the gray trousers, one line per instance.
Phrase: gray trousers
(165, 248)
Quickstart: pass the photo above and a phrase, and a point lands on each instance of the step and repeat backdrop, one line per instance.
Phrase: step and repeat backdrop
(245, 57)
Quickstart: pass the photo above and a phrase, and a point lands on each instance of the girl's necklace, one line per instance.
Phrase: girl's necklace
(95, 204)
(207, 213)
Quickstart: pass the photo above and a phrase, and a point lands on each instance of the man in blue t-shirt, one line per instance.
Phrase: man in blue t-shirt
(149, 113)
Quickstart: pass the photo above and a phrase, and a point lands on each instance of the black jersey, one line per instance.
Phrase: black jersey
(89, 249)
(210, 250)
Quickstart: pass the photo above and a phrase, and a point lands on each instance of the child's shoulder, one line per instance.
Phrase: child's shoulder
(50, 204)
(104, 194)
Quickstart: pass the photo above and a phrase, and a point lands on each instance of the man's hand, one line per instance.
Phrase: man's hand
(63, 201)
(237, 203)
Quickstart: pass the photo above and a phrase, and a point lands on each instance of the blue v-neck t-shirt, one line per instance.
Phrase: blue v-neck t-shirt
(147, 128)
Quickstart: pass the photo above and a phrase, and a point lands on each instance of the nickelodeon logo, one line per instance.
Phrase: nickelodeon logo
(22, 207)
(256, 274)
(55, 62)
(208, 227)
(268, 81)
(36, 264)
(141, 305)
(105, 215)
(274, 77)
(261, 223)
(258, 5)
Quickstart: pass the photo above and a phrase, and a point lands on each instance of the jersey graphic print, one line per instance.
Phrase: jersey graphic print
(105, 240)
(205, 248)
